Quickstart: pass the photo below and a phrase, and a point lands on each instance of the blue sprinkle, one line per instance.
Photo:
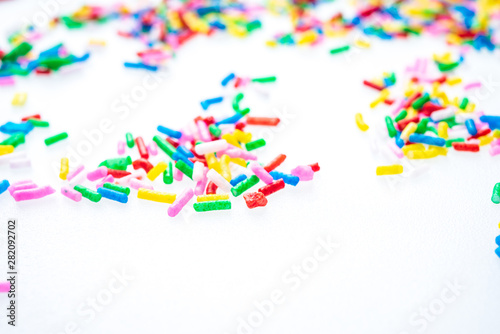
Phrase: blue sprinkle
(423, 139)
(184, 151)
(238, 179)
(471, 127)
(4, 185)
(287, 178)
(226, 80)
(11, 128)
(113, 195)
(169, 132)
(141, 66)
(207, 103)
(230, 120)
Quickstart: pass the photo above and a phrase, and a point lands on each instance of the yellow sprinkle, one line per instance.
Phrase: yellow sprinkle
(64, 169)
(413, 147)
(209, 198)
(470, 107)
(6, 149)
(438, 150)
(362, 44)
(19, 99)
(428, 154)
(389, 170)
(454, 81)
(242, 137)
(230, 138)
(307, 38)
(496, 133)
(212, 162)
(271, 44)
(443, 130)
(410, 129)
(239, 161)
(361, 123)
(98, 42)
(224, 166)
(485, 140)
(454, 39)
(382, 97)
(157, 170)
(156, 196)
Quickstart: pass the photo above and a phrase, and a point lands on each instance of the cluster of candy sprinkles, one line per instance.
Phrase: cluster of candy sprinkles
(163, 29)
(217, 154)
(427, 122)
(462, 22)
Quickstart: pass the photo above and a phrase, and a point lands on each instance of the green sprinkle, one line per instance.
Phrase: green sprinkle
(419, 103)
(14, 140)
(71, 23)
(253, 25)
(38, 123)
(495, 197)
(464, 103)
(212, 206)
(130, 140)
(115, 187)
(168, 176)
(236, 102)
(422, 126)
(164, 146)
(88, 194)
(55, 63)
(19, 51)
(401, 115)
(264, 80)
(243, 186)
(390, 127)
(449, 142)
(184, 168)
(339, 50)
(56, 138)
(117, 163)
(447, 67)
(214, 130)
(255, 144)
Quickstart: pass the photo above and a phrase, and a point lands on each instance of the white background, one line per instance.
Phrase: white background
(198, 273)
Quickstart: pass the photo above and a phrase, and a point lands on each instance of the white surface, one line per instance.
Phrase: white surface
(398, 245)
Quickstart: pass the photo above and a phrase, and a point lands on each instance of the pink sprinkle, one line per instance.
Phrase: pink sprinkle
(395, 149)
(203, 130)
(4, 286)
(177, 174)
(28, 194)
(201, 184)
(71, 194)
(136, 184)
(108, 179)
(305, 173)
(74, 173)
(180, 202)
(7, 81)
(261, 172)
(239, 153)
(121, 147)
(494, 150)
(97, 174)
(153, 148)
(21, 185)
(472, 85)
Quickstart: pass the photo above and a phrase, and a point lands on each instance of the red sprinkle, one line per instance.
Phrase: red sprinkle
(25, 119)
(272, 187)
(466, 147)
(118, 173)
(315, 167)
(275, 163)
(373, 85)
(211, 188)
(143, 150)
(481, 133)
(270, 121)
(142, 163)
(255, 200)
(403, 123)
